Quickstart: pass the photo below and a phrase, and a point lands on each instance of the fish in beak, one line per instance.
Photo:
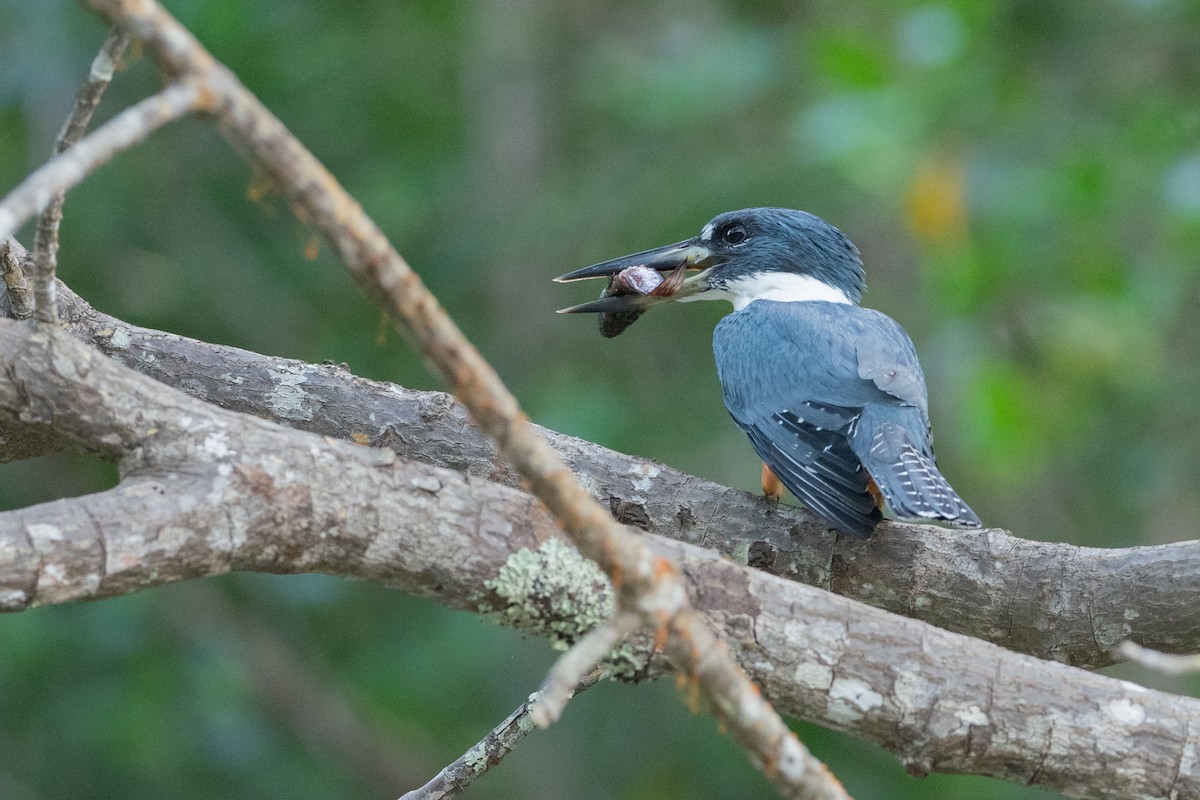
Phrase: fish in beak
(642, 280)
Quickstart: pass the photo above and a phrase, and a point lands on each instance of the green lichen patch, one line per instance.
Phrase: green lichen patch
(552, 591)
(476, 759)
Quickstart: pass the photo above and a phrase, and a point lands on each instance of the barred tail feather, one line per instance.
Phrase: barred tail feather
(911, 483)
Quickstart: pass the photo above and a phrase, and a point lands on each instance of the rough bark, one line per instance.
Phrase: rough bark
(1051, 600)
(649, 586)
(206, 491)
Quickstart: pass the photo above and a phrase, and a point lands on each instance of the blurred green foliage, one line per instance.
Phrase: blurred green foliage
(1023, 179)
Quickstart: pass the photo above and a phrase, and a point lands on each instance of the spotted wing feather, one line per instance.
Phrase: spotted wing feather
(834, 398)
(816, 464)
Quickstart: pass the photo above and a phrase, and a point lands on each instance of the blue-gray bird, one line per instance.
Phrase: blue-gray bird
(834, 403)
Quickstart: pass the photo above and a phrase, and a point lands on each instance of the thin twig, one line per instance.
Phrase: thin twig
(1167, 663)
(647, 584)
(491, 749)
(93, 89)
(45, 245)
(120, 133)
(20, 293)
(569, 671)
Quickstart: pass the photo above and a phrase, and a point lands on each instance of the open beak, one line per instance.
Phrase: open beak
(675, 259)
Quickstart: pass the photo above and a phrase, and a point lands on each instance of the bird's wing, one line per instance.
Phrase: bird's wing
(817, 465)
(893, 438)
(885, 356)
(791, 382)
(799, 378)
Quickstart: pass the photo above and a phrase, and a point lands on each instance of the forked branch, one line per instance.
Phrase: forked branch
(647, 584)
(120, 133)
(45, 250)
(207, 491)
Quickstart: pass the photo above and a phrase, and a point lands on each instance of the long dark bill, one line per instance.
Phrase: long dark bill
(663, 259)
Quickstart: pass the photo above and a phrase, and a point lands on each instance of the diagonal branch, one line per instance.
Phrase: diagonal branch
(490, 750)
(571, 670)
(647, 584)
(46, 242)
(206, 491)
(120, 133)
(1049, 599)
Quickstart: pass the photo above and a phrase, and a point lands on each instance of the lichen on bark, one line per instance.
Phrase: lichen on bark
(552, 591)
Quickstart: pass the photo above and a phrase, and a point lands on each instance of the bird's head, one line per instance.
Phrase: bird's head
(742, 256)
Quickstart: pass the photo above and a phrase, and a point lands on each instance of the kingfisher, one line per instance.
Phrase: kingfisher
(829, 393)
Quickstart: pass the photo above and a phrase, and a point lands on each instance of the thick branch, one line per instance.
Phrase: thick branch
(208, 491)
(1051, 600)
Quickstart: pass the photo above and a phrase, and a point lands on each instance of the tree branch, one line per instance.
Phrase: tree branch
(647, 585)
(46, 242)
(1051, 600)
(18, 292)
(572, 669)
(1166, 663)
(490, 750)
(68, 169)
(206, 491)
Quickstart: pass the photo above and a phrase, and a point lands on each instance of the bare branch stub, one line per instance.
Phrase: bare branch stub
(13, 258)
(45, 248)
(1166, 663)
(645, 584)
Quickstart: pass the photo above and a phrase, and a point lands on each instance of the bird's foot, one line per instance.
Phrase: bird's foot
(772, 487)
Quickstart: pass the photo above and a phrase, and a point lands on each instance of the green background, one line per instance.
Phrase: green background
(1023, 180)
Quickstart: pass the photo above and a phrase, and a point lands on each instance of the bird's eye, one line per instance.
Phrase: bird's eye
(735, 234)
